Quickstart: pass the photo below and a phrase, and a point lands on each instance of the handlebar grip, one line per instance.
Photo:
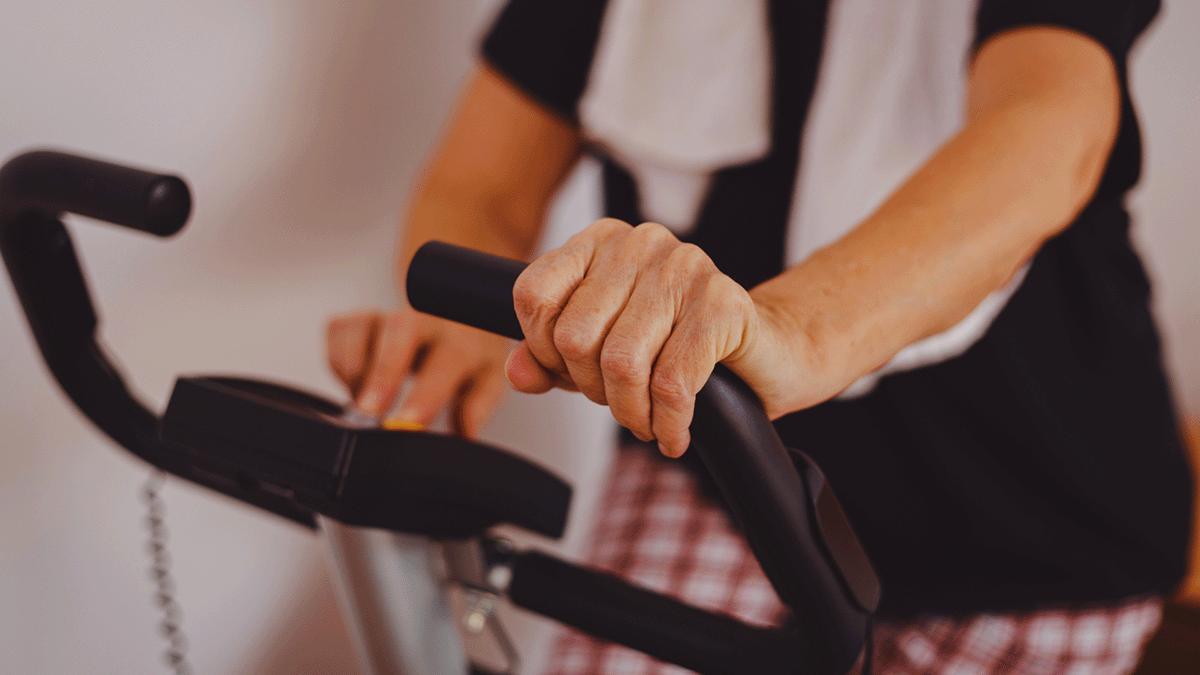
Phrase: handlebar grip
(775, 507)
(466, 286)
(610, 608)
(54, 182)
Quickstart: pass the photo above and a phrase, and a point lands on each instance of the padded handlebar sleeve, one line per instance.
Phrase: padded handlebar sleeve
(466, 286)
(55, 182)
(609, 608)
(734, 438)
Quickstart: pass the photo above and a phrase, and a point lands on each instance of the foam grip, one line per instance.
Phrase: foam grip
(56, 182)
(611, 609)
(466, 286)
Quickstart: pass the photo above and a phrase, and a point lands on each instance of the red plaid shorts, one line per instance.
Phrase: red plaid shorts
(658, 530)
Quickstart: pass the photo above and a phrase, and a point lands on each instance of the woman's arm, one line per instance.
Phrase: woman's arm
(1042, 114)
(490, 180)
(636, 319)
(487, 186)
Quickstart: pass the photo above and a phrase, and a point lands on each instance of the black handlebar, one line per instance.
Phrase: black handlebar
(611, 609)
(466, 286)
(54, 182)
(785, 518)
(36, 188)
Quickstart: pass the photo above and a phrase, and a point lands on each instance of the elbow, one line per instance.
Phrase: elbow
(1074, 139)
(1090, 165)
(1055, 97)
(1095, 113)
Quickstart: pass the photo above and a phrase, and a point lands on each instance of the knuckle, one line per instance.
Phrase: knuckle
(686, 263)
(335, 327)
(726, 293)
(691, 257)
(606, 227)
(654, 233)
(525, 297)
(573, 341)
(394, 328)
(448, 359)
(529, 300)
(621, 364)
(668, 389)
(339, 327)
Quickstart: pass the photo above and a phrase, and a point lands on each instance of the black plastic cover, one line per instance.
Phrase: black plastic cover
(297, 444)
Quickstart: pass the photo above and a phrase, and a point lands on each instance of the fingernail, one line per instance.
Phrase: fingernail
(512, 368)
(508, 364)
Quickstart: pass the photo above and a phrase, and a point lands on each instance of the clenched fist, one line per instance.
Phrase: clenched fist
(636, 320)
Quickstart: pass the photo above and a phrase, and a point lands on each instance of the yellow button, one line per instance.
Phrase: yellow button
(402, 425)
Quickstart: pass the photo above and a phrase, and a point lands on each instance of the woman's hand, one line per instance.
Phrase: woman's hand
(373, 352)
(636, 320)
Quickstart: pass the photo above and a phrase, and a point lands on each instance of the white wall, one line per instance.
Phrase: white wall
(299, 127)
(1165, 77)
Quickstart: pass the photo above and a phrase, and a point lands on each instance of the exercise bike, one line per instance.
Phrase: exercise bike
(408, 514)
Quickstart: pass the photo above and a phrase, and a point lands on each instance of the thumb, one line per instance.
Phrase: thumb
(525, 373)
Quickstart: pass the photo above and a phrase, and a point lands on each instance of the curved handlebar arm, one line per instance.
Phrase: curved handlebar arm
(786, 518)
(615, 610)
(45, 273)
(35, 189)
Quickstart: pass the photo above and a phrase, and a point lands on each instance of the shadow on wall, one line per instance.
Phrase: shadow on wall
(365, 94)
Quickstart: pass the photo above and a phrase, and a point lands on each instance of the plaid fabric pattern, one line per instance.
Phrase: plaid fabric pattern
(658, 530)
(1104, 640)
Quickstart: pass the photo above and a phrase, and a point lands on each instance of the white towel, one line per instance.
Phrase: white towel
(679, 89)
(890, 92)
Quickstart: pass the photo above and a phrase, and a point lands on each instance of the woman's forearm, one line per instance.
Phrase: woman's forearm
(466, 221)
(1027, 160)
(492, 177)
